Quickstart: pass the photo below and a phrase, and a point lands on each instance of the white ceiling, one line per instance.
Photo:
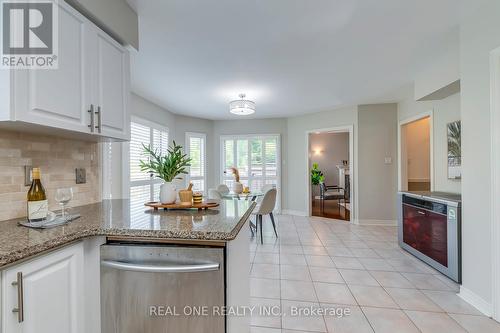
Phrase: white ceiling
(290, 56)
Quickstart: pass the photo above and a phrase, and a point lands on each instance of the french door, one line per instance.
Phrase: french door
(257, 158)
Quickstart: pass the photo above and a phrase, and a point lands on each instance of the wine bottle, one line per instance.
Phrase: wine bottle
(38, 206)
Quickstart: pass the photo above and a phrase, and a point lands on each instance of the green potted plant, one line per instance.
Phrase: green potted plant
(317, 176)
(166, 167)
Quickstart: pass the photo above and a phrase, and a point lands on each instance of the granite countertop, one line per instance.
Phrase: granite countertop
(125, 218)
(442, 196)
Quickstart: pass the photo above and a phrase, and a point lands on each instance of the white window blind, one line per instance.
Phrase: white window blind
(257, 159)
(196, 150)
(143, 186)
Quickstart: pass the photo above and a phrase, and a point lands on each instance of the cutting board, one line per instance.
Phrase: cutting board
(179, 205)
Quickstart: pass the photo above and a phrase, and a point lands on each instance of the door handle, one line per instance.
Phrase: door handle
(92, 123)
(99, 123)
(137, 267)
(420, 212)
(20, 297)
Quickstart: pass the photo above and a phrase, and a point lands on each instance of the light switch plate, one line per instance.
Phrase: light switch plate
(388, 160)
(27, 175)
(81, 175)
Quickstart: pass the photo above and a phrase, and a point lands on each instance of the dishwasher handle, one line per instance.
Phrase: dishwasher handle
(137, 267)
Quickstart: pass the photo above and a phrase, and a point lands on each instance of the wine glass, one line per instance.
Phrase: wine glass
(63, 197)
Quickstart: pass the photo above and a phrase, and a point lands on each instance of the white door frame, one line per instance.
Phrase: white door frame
(352, 168)
(430, 114)
(495, 179)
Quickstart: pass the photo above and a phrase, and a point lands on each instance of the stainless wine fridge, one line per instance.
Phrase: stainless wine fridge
(430, 229)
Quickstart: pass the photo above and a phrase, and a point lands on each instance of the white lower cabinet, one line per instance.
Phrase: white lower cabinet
(45, 294)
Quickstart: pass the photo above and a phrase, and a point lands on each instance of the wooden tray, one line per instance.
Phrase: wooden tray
(178, 205)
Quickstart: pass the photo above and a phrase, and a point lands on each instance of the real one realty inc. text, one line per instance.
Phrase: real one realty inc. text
(241, 311)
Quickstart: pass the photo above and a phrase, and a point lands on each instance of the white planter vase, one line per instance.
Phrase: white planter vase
(237, 187)
(168, 193)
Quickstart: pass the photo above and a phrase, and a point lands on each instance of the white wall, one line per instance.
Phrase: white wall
(479, 34)
(328, 150)
(295, 197)
(444, 111)
(418, 150)
(441, 70)
(377, 179)
(145, 109)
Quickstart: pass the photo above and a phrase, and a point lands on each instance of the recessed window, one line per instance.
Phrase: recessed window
(143, 186)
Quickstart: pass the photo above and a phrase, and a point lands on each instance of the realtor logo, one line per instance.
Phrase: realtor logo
(29, 34)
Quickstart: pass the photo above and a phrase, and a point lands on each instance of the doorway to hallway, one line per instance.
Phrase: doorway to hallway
(329, 169)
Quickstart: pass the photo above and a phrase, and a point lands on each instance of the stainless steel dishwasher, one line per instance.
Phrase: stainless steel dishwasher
(153, 289)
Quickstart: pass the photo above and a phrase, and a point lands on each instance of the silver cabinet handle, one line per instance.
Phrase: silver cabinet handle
(98, 113)
(91, 112)
(20, 297)
(136, 267)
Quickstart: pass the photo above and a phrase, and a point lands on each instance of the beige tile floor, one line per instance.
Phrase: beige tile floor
(328, 264)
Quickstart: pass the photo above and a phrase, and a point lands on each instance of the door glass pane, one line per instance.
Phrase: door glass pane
(242, 153)
(228, 154)
(271, 157)
(256, 168)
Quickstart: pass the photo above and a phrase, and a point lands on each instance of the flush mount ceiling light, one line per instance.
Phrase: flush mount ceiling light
(242, 107)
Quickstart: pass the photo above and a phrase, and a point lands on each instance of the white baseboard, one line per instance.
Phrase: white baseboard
(384, 223)
(476, 301)
(294, 212)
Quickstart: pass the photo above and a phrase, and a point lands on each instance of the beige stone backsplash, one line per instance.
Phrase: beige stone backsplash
(57, 159)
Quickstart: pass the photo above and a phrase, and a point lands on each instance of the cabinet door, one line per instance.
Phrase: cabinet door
(53, 293)
(112, 87)
(60, 97)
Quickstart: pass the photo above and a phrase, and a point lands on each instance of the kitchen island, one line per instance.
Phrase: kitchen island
(117, 224)
(123, 218)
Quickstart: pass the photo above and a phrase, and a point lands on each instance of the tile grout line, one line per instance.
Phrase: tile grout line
(316, 227)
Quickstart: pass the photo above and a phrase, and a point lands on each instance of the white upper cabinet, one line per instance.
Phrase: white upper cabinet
(46, 294)
(112, 87)
(59, 97)
(89, 91)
